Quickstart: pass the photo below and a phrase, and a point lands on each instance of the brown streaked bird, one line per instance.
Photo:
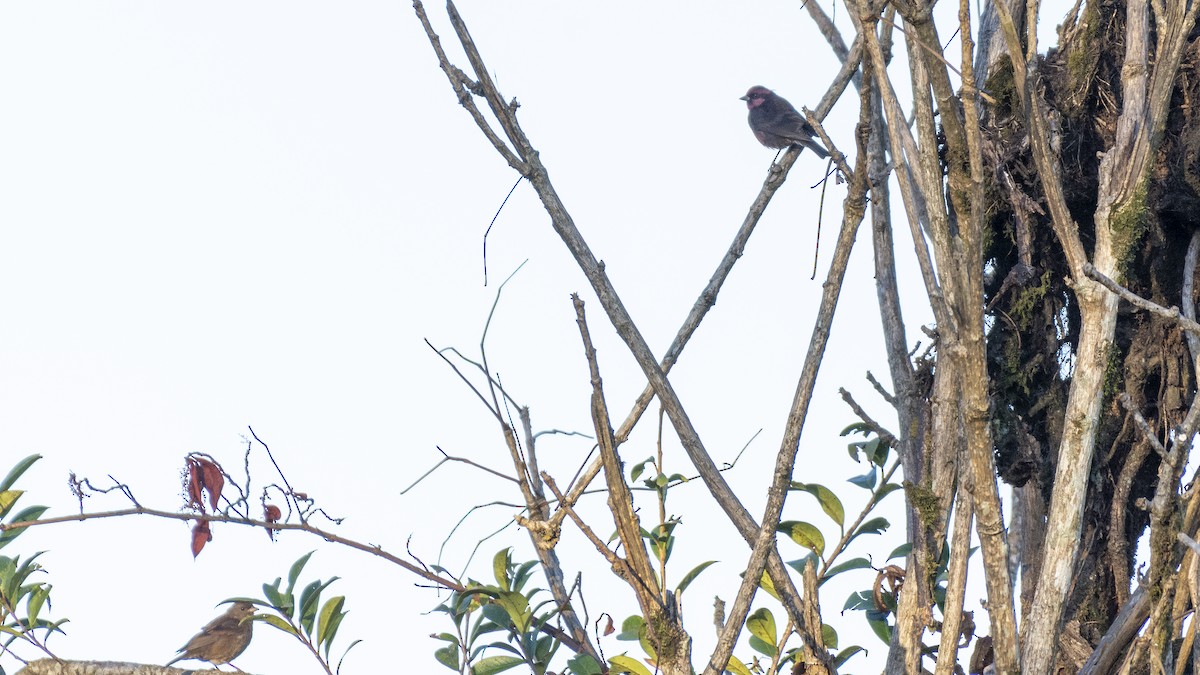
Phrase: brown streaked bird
(776, 124)
(223, 639)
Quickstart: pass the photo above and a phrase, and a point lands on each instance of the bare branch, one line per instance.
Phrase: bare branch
(884, 435)
(459, 81)
(620, 500)
(1142, 425)
(1169, 313)
(451, 458)
(373, 549)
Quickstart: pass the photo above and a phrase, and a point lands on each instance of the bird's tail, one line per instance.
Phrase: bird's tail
(816, 148)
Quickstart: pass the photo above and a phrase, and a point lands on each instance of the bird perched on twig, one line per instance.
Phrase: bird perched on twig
(776, 124)
(223, 639)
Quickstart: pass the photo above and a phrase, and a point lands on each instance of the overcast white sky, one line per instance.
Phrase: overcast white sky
(228, 214)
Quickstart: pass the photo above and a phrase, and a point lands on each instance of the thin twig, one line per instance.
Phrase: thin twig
(879, 388)
(1169, 313)
(451, 458)
(291, 494)
(884, 435)
(373, 549)
(937, 55)
(489, 227)
(1142, 425)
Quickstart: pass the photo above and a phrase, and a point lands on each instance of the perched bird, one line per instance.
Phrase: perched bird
(223, 639)
(776, 124)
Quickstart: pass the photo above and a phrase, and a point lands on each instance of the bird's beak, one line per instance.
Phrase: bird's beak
(744, 98)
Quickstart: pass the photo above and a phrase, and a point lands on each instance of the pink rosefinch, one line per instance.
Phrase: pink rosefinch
(776, 124)
(223, 639)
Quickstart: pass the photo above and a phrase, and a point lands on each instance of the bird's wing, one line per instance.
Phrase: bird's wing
(792, 119)
(222, 623)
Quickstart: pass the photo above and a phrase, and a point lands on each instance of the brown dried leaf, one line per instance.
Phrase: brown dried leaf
(214, 481)
(201, 535)
(195, 484)
(273, 514)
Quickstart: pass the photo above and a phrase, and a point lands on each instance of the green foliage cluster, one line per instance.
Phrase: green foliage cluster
(507, 607)
(16, 587)
(484, 609)
(313, 623)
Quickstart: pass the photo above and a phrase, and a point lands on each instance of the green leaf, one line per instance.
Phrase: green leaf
(277, 622)
(762, 646)
(26, 516)
(344, 654)
(310, 597)
(829, 636)
(879, 451)
(761, 624)
(285, 604)
(638, 468)
(644, 642)
(7, 499)
(294, 572)
(500, 563)
(856, 428)
(229, 601)
(767, 585)
(625, 664)
(871, 450)
(804, 534)
(691, 576)
(851, 564)
(334, 623)
(901, 551)
(844, 655)
(584, 664)
(328, 620)
(631, 627)
(885, 490)
(21, 467)
(13, 577)
(882, 630)
(872, 526)
(544, 649)
(830, 504)
(865, 481)
(39, 597)
(496, 614)
(478, 651)
(495, 664)
(524, 571)
(517, 607)
(737, 667)
(447, 656)
(859, 600)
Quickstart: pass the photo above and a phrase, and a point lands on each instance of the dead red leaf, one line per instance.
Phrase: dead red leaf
(201, 535)
(214, 481)
(272, 515)
(195, 484)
